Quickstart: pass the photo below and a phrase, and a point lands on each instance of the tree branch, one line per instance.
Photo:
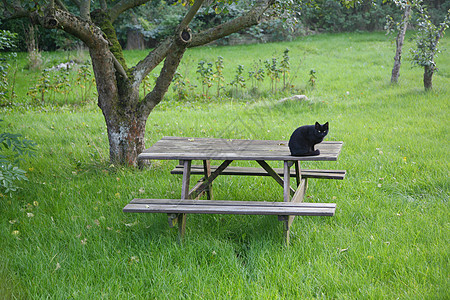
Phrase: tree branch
(151, 61)
(85, 30)
(122, 6)
(85, 9)
(190, 15)
(164, 80)
(252, 17)
(155, 57)
(119, 67)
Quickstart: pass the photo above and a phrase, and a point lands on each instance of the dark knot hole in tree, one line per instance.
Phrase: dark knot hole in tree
(186, 36)
(52, 22)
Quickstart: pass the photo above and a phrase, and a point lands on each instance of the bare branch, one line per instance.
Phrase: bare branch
(152, 60)
(164, 80)
(86, 31)
(122, 6)
(252, 17)
(190, 15)
(159, 53)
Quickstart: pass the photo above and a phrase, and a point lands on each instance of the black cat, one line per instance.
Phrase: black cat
(304, 138)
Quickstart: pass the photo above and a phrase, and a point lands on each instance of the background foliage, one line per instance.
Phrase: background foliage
(158, 18)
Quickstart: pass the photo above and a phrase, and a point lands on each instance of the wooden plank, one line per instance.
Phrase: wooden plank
(226, 149)
(275, 176)
(214, 208)
(300, 192)
(186, 179)
(227, 202)
(287, 184)
(236, 147)
(207, 173)
(252, 171)
(297, 198)
(181, 217)
(196, 187)
(298, 172)
(207, 182)
(232, 156)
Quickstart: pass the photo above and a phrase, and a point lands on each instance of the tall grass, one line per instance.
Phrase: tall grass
(64, 234)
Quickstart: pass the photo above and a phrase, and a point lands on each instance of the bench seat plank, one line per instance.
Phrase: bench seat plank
(251, 171)
(178, 206)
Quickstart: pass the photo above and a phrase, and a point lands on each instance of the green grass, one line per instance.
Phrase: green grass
(389, 238)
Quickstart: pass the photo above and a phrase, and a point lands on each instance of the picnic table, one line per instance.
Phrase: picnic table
(186, 150)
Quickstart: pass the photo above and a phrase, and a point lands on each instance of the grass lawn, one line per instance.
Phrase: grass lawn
(64, 235)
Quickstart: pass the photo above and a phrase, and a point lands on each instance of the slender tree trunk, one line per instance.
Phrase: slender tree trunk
(428, 77)
(399, 41)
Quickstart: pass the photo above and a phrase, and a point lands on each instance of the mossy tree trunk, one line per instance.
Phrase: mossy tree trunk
(124, 110)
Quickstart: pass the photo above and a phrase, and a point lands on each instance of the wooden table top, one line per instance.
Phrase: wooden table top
(185, 148)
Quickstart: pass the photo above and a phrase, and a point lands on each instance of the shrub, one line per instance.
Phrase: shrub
(6, 88)
(12, 148)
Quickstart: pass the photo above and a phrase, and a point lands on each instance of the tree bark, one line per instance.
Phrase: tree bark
(399, 41)
(428, 77)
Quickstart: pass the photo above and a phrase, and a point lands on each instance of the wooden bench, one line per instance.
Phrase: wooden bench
(177, 206)
(251, 171)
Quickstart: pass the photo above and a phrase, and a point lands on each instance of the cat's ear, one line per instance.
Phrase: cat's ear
(317, 125)
(325, 126)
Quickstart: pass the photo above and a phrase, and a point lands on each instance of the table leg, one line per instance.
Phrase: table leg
(286, 182)
(184, 196)
(287, 198)
(207, 182)
(298, 196)
(298, 175)
(275, 176)
(207, 172)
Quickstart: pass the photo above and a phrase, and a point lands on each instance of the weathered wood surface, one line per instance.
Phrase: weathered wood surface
(251, 171)
(284, 183)
(178, 206)
(207, 182)
(184, 148)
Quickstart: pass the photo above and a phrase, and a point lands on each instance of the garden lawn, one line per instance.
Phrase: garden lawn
(64, 235)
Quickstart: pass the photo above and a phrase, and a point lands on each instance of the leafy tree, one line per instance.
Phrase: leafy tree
(93, 22)
(125, 112)
(427, 42)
